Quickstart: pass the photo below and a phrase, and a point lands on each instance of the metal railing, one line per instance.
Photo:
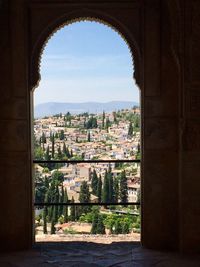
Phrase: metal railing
(42, 204)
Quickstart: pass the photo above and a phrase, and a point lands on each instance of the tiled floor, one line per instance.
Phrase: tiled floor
(84, 254)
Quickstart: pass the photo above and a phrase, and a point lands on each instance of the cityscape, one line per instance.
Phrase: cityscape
(75, 138)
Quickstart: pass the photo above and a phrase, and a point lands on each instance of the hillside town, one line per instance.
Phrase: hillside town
(84, 137)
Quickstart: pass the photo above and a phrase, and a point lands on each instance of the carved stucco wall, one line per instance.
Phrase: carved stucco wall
(164, 37)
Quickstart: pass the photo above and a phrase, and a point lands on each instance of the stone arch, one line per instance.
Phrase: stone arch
(82, 15)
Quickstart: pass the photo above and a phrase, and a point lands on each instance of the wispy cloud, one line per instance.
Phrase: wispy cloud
(58, 63)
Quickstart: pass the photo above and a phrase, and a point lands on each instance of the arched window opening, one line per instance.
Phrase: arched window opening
(87, 136)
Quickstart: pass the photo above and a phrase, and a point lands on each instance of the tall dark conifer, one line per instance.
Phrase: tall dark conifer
(94, 182)
(103, 120)
(84, 197)
(45, 213)
(65, 208)
(99, 188)
(59, 153)
(110, 180)
(105, 191)
(130, 130)
(53, 146)
(61, 200)
(116, 190)
(123, 188)
(47, 155)
(73, 211)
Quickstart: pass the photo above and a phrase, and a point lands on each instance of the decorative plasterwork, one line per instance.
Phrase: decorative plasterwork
(61, 22)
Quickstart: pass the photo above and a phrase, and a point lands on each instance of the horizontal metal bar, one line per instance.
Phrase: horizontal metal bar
(87, 161)
(87, 204)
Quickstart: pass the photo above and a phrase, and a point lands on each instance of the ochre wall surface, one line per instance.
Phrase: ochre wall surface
(164, 36)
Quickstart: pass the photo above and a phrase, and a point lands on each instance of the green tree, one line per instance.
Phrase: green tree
(116, 190)
(53, 221)
(100, 226)
(130, 130)
(62, 135)
(39, 153)
(65, 209)
(105, 191)
(94, 182)
(61, 200)
(43, 138)
(117, 227)
(108, 124)
(84, 197)
(94, 223)
(125, 228)
(57, 176)
(53, 146)
(103, 120)
(59, 153)
(99, 188)
(73, 211)
(89, 137)
(71, 154)
(91, 123)
(66, 152)
(123, 187)
(47, 155)
(110, 191)
(45, 213)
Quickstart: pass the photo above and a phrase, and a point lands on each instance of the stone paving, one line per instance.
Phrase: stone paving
(88, 254)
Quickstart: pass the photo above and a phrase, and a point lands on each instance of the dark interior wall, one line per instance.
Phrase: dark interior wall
(190, 182)
(165, 37)
(161, 132)
(15, 189)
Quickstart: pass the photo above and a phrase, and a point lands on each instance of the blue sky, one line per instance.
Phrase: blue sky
(86, 61)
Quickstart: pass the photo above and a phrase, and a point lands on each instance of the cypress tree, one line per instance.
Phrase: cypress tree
(105, 191)
(110, 180)
(64, 150)
(65, 208)
(62, 135)
(56, 135)
(53, 221)
(47, 155)
(73, 211)
(103, 120)
(84, 197)
(89, 137)
(57, 194)
(99, 188)
(116, 190)
(130, 130)
(53, 146)
(45, 215)
(61, 200)
(107, 124)
(94, 182)
(94, 223)
(43, 138)
(59, 153)
(123, 188)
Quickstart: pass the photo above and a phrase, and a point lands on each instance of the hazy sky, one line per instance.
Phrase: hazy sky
(86, 61)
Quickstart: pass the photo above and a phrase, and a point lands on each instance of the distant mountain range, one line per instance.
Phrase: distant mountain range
(52, 108)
